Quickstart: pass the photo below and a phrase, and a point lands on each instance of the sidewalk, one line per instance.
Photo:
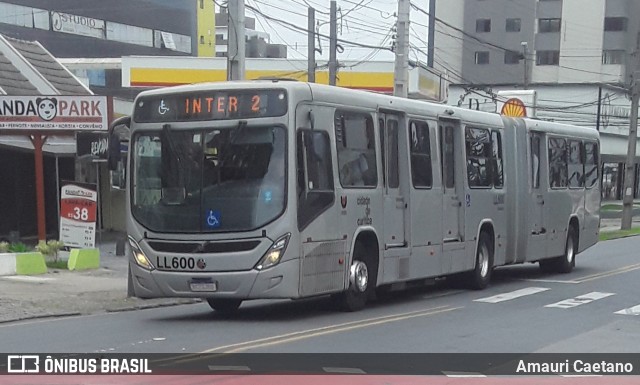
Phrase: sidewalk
(64, 293)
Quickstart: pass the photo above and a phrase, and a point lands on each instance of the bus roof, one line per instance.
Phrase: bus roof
(374, 101)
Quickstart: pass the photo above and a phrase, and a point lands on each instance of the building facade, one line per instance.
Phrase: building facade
(563, 41)
(578, 58)
(258, 43)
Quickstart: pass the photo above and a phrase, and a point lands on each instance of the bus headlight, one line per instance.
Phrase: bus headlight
(139, 256)
(274, 254)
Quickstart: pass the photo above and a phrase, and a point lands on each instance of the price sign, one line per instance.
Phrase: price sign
(78, 212)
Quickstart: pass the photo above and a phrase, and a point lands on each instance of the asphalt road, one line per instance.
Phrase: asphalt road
(589, 310)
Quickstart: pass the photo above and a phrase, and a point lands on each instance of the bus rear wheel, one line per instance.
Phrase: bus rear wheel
(566, 262)
(224, 305)
(481, 275)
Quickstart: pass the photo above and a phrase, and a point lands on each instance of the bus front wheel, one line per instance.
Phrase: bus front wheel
(361, 282)
(224, 305)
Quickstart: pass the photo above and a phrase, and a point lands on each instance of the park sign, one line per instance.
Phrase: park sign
(53, 113)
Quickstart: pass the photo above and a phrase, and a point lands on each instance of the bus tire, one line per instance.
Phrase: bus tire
(481, 274)
(361, 281)
(548, 265)
(224, 305)
(567, 261)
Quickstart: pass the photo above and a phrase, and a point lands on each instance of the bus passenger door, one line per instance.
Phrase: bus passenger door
(394, 201)
(452, 201)
(537, 231)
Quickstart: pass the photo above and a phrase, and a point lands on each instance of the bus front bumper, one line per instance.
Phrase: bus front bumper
(280, 281)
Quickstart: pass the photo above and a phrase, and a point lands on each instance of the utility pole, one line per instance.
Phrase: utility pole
(401, 71)
(599, 112)
(630, 169)
(311, 45)
(431, 34)
(236, 41)
(333, 43)
(525, 45)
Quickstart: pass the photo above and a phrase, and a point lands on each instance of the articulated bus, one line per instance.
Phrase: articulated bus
(280, 189)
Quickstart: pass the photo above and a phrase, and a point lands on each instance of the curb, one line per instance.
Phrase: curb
(132, 307)
(31, 263)
(83, 259)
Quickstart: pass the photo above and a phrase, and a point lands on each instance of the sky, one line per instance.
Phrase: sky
(367, 22)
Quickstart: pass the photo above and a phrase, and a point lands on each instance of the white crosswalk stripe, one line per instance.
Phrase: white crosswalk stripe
(630, 311)
(512, 295)
(580, 300)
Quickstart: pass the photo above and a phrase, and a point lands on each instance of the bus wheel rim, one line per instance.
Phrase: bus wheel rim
(359, 276)
(483, 260)
(570, 253)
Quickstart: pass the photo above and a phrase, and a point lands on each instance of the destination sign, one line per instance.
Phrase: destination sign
(210, 105)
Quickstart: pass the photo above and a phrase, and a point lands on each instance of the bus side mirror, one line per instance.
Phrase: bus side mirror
(113, 153)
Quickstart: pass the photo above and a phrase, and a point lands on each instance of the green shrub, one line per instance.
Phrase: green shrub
(42, 247)
(18, 248)
(4, 247)
(50, 248)
(54, 247)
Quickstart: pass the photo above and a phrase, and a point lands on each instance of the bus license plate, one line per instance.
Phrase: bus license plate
(203, 286)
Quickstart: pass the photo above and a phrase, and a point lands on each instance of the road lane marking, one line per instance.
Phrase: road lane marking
(630, 311)
(344, 370)
(549, 280)
(621, 270)
(302, 333)
(587, 278)
(512, 295)
(293, 337)
(580, 300)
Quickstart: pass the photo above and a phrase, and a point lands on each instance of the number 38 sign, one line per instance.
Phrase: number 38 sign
(78, 209)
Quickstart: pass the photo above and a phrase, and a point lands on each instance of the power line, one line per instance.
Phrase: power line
(299, 29)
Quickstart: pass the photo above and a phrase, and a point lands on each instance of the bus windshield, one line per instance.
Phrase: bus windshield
(214, 180)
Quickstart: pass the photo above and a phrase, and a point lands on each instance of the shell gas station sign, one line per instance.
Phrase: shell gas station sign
(519, 104)
(371, 76)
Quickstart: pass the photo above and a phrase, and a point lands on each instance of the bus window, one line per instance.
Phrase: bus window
(420, 154)
(496, 153)
(535, 161)
(478, 148)
(575, 165)
(355, 141)
(392, 139)
(591, 164)
(315, 179)
(557, 163)
(448, 156)
(382, 150)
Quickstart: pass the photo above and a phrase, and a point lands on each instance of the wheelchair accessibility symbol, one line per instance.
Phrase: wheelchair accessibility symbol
(213, 219)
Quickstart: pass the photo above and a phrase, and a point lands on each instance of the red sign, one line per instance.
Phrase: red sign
(78, 214)
(77, 209)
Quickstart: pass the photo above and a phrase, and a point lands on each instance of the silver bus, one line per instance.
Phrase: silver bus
(279, 189)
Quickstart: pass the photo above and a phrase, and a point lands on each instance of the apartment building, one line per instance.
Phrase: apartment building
(578, 56)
